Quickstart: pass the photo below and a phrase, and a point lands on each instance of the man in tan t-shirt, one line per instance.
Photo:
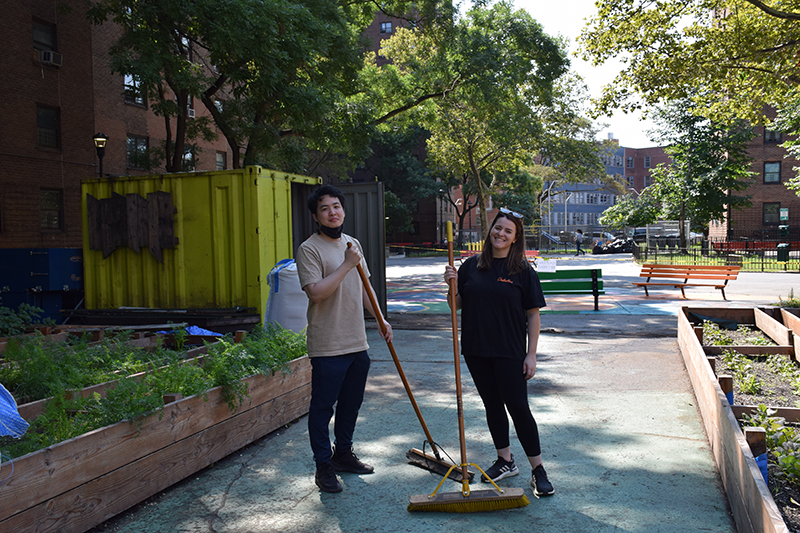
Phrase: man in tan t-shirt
(336, 337)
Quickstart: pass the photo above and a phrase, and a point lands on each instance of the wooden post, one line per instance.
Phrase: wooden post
(726, 384)
(757, 440)
(172, 397)
(698, 330)
(712, 362)
(239, 335)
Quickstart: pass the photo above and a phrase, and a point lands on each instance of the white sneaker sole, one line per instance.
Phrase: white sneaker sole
(508, 473)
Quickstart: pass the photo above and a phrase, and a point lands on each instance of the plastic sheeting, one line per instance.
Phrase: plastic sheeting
(11, 424)
(287, 304)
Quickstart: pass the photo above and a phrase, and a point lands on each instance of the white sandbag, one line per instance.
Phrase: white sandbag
(287, 303)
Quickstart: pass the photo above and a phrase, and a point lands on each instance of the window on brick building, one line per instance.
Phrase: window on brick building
(772, 172)
(44, 35)
(772, 212)
(386, 27)
(630, 181)
(648, 180)
(134, 94)
(48, 126)
(222, 160)
(772, 136)
(137, 152)
(52, 209)
(647, 162)
(630, 162)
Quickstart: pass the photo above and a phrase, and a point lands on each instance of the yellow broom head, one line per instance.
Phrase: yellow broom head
(477, 501)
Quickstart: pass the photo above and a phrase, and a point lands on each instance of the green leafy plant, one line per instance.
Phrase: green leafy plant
(783, 441)
(134, 396)
(742, 370)
(16, 322)
(790, 301)
(713, 336)
(753, 337)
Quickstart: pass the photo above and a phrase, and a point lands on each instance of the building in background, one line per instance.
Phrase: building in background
(773, 204)
(56, 92)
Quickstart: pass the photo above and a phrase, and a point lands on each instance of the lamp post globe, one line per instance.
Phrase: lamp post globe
(100, 141)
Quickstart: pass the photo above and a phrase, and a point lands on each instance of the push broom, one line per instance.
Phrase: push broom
(420, 458)
(466, 501)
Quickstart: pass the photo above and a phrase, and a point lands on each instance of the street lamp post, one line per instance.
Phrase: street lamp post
(100, 141)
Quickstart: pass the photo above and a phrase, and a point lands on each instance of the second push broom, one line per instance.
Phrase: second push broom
(466, 501)
(432, 462)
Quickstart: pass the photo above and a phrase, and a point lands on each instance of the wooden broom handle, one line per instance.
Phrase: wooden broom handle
(382, 325)
(457, 357)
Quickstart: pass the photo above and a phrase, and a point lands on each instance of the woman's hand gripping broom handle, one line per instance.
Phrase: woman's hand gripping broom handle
(460, 404)
(382, 325)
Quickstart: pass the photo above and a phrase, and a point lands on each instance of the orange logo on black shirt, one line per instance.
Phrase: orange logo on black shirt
(504, 280)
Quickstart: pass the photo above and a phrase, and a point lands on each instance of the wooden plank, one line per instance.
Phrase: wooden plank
(772, 328)
(751, 350)
(111, 493)
(742, 315)
(41, 475)
(791, 414)
(752, 505)
(791, 320)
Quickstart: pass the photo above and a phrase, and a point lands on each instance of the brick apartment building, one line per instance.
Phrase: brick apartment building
(56, 92)
(768, 193)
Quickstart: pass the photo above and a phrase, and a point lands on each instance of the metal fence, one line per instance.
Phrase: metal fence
(763, 258)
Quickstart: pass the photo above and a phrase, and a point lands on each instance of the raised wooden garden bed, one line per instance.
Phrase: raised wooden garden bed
(751, 502)
(78, 484)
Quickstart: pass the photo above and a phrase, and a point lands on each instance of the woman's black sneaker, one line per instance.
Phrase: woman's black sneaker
(500, 469)
(541, 485)
(326, 478)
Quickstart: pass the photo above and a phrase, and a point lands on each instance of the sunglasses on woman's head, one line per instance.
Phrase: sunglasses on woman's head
(510, 212)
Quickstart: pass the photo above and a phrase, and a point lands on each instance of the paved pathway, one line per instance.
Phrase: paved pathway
(621, 435)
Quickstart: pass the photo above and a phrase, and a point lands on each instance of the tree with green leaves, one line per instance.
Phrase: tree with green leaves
(632, 211)
(278, 78)
(710, 165)
(490, 124)
(746, 50)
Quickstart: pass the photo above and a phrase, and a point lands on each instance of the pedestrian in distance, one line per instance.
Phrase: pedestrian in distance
(499, 295)
(579, 242)
(335, 336)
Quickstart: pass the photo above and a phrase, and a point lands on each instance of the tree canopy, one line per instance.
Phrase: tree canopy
(746, 50)
(276, 77)
(499, 67)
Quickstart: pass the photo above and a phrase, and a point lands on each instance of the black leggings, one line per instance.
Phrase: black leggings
(502, 385)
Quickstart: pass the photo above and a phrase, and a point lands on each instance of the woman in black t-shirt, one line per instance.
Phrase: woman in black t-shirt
(499, 295)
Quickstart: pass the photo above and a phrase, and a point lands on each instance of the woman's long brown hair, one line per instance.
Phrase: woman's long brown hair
(516, 255)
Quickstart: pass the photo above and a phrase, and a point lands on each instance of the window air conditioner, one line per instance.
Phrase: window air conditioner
(190, 113)
(50, 57)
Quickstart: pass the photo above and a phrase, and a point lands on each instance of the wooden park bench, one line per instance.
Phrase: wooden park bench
(681, 276)
(574, 281)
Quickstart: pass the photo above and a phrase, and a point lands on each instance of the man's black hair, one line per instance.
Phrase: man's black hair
(324, 190)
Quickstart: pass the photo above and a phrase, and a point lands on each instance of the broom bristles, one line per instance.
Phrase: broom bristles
(476, 502)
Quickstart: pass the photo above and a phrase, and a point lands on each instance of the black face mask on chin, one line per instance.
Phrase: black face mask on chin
(333, 233)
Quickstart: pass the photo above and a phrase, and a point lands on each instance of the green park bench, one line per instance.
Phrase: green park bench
(574, 281)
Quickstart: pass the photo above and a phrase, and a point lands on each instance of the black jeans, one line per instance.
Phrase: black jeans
(339, 380)
(502, 386)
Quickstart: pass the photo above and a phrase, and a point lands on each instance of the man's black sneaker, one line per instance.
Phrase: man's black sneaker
(326, 478)
(500, 469)
(541, 485)
(346, 461)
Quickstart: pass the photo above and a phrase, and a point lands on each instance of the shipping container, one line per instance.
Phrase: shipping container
(202, 240)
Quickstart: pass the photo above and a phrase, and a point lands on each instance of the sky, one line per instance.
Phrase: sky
(567, 18)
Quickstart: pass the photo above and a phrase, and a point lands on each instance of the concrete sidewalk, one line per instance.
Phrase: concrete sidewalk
(621, 436)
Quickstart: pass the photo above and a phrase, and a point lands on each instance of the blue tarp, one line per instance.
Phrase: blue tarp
(11, 424)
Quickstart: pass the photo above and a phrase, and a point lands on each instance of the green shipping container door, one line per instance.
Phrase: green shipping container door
(204, 240)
